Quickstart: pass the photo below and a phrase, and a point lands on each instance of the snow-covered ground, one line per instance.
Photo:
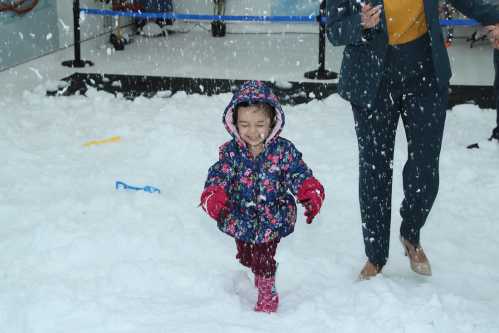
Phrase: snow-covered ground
(78, 255)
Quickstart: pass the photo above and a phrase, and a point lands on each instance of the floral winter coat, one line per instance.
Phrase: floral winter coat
(261, 207)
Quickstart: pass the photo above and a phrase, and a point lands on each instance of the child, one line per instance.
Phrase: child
(248, 190)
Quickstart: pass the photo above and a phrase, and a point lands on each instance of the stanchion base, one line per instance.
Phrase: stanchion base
(321, 75)
(218, 29)
(77, 63)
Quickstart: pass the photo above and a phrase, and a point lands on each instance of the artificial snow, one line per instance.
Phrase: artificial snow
(78, 255)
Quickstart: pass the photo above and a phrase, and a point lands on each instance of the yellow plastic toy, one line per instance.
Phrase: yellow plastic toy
(100, 142)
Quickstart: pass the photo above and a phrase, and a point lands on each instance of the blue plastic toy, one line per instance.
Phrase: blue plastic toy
(150, 189)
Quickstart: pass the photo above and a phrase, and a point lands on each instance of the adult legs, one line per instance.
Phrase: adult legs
(376, 128)
(408, 89)
(423, 117)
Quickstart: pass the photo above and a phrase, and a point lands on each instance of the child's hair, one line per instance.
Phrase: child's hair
(261, 106)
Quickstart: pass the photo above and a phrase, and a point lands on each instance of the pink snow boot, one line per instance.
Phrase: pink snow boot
(268, 299)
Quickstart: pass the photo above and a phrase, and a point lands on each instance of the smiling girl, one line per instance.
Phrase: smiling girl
(250, 190)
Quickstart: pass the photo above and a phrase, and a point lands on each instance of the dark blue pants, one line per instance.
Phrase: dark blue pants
(409, 91)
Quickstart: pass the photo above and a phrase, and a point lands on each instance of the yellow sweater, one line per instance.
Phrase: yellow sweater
(405, 20)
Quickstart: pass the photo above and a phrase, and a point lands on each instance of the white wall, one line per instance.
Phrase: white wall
(90, 25)
(24, 37)
(60, 25)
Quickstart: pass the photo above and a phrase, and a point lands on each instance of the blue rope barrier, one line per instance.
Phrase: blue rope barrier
(199, 17)
(202, 17)
(459, 22)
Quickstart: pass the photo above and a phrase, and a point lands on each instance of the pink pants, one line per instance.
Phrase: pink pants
(258, 257)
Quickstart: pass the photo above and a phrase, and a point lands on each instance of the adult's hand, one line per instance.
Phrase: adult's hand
(369, 16)
(493, 35)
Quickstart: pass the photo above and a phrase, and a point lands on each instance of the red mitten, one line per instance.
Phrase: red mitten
(214, 201)
(311, 195)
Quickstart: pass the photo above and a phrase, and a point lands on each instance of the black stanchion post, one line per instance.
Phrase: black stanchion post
(77, 62)
(218, 27)
(322, 73)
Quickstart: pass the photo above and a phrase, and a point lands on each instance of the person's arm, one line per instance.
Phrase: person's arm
(220, 173)
(214, 199)
(307, 189)
(297, 171)
(343, 25)
(484, 11)
(351, 23)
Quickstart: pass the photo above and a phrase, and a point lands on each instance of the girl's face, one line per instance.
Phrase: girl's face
(253, 125)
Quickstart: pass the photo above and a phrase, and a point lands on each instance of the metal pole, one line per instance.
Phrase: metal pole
(76, 28)
(322, 38)
(77, 61)
(322, 73)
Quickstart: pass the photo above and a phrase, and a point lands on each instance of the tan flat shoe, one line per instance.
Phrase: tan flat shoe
(370, 270)
(417, 258)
